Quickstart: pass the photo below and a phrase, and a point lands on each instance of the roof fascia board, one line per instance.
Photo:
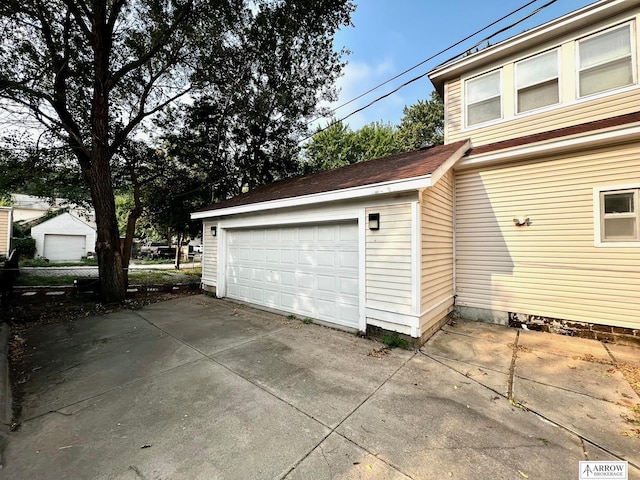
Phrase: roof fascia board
(450, 162)
(550, 29)
(581, 141)
(395, 186)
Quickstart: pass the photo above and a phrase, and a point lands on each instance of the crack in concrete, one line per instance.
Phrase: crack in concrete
(581, 438)
(512, 367)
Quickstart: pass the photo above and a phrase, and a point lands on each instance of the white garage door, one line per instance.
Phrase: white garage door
(64, 247)
(311, 271)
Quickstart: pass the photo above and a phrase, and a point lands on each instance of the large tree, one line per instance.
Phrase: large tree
(91, 71)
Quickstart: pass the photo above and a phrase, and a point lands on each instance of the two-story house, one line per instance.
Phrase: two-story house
(547, 216)
(529, 213)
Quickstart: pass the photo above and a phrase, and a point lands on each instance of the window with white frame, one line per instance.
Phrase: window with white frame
(537, 82)
(484, 98)
(620, 215)
(605, 61)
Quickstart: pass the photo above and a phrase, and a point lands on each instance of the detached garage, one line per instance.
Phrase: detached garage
(63, 238)
(369, 244)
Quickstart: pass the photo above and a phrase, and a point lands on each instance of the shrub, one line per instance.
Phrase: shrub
(25, 247)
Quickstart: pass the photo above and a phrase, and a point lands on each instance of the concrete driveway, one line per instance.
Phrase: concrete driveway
(200, 388)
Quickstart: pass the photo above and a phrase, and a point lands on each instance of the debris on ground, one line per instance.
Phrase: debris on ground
(379, 352)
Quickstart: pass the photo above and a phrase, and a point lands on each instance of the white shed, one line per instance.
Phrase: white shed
(64, 238)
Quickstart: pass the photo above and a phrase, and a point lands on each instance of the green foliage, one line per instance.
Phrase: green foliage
(393, 340)
(307, 321)
(91, 73)
(422, 124)
(338, 146)
(25, 247)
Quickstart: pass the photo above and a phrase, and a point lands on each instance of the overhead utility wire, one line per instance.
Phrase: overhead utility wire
(427, 59)
(382, 97)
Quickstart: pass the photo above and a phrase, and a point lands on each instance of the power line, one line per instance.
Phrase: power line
(382, 97)
(427, 59)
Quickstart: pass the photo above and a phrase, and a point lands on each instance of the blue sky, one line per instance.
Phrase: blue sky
(390, 36)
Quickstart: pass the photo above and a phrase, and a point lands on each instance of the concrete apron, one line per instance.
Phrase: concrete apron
(204, 388)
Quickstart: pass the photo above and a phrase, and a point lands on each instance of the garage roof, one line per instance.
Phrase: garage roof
(401, 172)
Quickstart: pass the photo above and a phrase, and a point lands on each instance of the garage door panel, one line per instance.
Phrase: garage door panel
(311, 271)
(58, 247)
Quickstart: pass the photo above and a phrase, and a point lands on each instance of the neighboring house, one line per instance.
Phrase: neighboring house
(6, 229)
(28, 207)
(529, 213)
(64, 238)
(547, 201)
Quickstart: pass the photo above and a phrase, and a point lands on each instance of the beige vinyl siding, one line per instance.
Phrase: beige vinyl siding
(453, 111)
(552, 119)
(210, 254)
(550, 268)
(437, 250)
(5, 218)
(388, 259)
(572, 110)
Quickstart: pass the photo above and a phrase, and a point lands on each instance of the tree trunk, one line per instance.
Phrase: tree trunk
(134, 215)
(113, 284)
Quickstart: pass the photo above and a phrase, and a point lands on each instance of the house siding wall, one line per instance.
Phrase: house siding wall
(388, 259)
(571, 110)
(210, 254)
(573, 114)
(437, 250)
(5, 230)
(551, 268)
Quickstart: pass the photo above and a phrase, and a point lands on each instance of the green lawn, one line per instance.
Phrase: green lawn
(135, 278)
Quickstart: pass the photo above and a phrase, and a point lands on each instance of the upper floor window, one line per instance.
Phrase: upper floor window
(484, 98)
(605, 61)
(537, 82)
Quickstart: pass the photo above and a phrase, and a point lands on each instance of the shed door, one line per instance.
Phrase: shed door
(64, 247)
(311, 271)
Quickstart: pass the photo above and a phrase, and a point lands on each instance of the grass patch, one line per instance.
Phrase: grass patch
(45, 281)
(307, 321)
(393, 340)
(39, 262)
(154, 261)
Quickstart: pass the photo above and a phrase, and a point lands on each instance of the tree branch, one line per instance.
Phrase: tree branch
(154, 50)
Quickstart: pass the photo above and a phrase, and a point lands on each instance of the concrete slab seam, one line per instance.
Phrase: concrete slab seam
(538, 414)
(217, 352)
(355, 409)
(512, 367)
(126, 384)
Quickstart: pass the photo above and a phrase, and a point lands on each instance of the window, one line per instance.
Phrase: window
(620, 215)
(537, 82)
(605, 61)
(483, 98)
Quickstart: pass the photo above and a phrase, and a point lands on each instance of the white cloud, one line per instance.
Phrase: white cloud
(359, 77)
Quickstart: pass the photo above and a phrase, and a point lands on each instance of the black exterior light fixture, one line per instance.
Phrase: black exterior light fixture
(374, 221)
(214, 231)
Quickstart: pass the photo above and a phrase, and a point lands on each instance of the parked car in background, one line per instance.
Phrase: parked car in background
(155, 250)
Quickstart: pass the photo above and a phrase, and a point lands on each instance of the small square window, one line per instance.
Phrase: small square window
(605, 61)
(619, 216)
(484, 98)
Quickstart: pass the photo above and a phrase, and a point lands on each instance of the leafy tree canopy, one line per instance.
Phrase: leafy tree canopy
(422, 124)
(92, 72)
